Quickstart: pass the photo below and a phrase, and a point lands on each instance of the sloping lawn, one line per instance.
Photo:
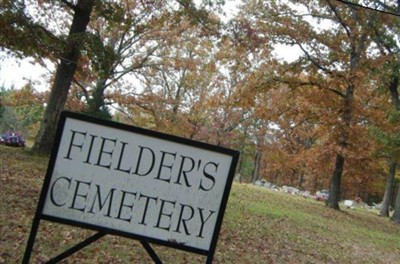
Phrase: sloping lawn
(260, 226)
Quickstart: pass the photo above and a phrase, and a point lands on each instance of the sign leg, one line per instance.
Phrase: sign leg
(151, 252)
(76, 248)
(31, 240)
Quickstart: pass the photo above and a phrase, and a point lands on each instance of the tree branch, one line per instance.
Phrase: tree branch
(312, 60)
(69, 4)
(341, 21)
(337, 92)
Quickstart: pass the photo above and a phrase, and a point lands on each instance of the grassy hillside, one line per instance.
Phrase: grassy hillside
(260, 226)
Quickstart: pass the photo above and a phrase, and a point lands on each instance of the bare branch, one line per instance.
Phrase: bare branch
(69, 4)
(313, 61)
(341, 21)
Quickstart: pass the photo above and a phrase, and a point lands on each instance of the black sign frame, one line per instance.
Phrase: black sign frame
(102, 230)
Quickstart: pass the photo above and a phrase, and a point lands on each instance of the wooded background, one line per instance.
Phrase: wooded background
(327, 119)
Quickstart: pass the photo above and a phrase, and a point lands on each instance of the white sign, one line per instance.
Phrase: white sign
(154, 186)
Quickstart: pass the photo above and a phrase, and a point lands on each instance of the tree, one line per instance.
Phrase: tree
(3, 92)
(334, 61)
(183, 91)
(23, 33)
(64, 74)
(22, 110)
(385, 31)
(396, 214)
(69, 47)
(119, 47)
(178, 77)
(386, 41)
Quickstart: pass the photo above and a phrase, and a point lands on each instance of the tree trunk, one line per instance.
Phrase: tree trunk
(64, 74)
(334, 190)
(300, 181)
(335, 185)
(393, 88)
(96, 104)
(387, 198)
(256, 170)
(396, 214)
(394, 94)
(358, 40)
